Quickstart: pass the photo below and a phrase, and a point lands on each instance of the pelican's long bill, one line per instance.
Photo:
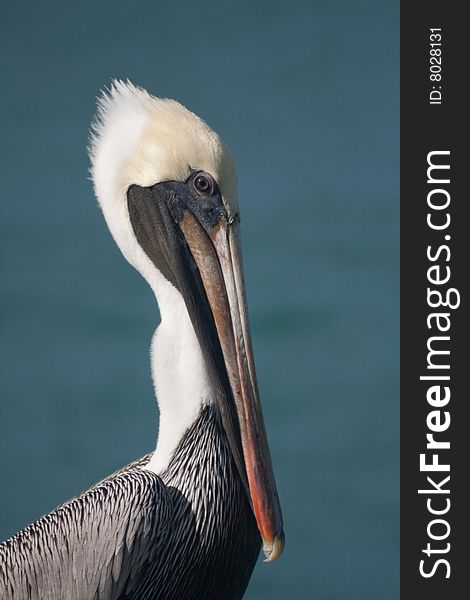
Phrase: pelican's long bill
(196, 246)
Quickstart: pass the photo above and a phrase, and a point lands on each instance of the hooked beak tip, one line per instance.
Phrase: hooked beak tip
(273, 550)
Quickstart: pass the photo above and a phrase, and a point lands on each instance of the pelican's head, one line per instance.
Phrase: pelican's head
(167, 186)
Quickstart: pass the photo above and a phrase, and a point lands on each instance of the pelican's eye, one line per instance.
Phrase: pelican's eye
(204, 184)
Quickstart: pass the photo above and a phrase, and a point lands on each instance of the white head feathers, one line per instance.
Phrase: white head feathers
(140, 139)
(143, 140)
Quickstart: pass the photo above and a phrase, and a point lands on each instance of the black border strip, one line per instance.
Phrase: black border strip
(426, 128)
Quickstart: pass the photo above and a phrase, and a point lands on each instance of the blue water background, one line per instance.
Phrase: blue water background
(306, 95)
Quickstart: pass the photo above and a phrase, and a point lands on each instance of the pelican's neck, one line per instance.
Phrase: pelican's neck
(179, 372)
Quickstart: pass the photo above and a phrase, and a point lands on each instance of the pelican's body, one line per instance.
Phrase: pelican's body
(187, 521)
(140, 536)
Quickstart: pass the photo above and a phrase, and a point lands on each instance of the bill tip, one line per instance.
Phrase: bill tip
(273, 550)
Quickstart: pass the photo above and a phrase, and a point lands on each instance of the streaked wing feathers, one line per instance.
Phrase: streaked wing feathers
(100, 539)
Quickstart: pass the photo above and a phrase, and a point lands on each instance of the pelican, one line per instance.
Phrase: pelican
(188, 520)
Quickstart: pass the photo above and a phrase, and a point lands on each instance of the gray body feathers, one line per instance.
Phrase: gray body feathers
(190, 534)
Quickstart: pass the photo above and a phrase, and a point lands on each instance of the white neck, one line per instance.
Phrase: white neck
(179, 373)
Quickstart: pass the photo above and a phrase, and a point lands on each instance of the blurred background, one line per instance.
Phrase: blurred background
(306, 95)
